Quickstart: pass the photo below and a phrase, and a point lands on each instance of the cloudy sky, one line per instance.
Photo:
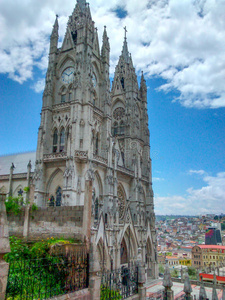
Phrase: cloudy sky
(180, 46)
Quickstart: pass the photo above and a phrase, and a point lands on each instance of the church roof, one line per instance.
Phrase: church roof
(20, 161)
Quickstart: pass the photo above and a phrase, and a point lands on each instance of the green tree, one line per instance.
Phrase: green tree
(174, 273)
(192, 272)
(161, 269)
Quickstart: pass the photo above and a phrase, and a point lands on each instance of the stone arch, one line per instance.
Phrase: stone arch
(131, 246)
(54, 181)
(118, 102)
(121, 194)
(62, 62)
(17, 189)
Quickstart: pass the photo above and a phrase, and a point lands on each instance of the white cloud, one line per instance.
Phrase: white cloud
(154, 179)
(198, 172)
(208, 199)
(182, 42)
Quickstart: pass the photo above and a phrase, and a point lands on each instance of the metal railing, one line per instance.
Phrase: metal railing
(119, 284)
(47, 277)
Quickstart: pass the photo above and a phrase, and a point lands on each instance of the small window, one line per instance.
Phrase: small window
(55, 141)
(63, 98)
(62, 140)
(70, 96)
(58, 196)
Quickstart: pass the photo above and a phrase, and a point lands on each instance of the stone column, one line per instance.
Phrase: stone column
(141, 276)
(87, 211)
(10, 180)
(94, 270)
(167, 283)
(4, 247)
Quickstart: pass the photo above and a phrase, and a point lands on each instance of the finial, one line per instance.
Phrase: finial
(105, 26)
(57, 16)
(125, 28)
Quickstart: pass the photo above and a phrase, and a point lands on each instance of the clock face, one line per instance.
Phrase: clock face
(94, 80)
(67, 75)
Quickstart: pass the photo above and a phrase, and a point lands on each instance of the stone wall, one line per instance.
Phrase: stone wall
(46, 222)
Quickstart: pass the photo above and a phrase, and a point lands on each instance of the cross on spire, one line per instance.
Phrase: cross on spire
(125, 29)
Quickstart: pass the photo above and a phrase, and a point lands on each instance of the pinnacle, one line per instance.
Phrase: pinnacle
(55, 27)
(82, 4)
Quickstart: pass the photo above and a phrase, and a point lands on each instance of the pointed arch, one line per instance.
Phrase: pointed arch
(55, 180)
(18, 192)
(129, 239)
(64, 61)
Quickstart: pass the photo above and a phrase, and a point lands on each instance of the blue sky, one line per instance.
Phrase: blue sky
(180, 48)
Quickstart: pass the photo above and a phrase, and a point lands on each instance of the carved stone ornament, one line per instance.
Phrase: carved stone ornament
(119, 113)
(121, 202)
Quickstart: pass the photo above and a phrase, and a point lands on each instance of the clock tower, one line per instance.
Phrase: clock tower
(93, 144)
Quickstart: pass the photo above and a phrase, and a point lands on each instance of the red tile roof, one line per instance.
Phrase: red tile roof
(211, 247)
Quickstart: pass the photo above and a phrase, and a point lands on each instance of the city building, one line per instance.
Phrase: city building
(208, 255)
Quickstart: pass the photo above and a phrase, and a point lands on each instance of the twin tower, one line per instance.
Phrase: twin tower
(93, 142)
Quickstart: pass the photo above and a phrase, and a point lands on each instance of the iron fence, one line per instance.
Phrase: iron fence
(119, 284)
(47, 277)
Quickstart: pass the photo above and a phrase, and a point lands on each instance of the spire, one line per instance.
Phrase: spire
(143, 81)
(105, 46)
(125, 52)
(55, 29)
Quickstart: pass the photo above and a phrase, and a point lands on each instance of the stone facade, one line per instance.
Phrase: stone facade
(93, 144)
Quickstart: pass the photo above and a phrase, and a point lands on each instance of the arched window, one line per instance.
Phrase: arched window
(62, 140)
(115, 129)
(96, 209)
(58, 196)
(55, 141)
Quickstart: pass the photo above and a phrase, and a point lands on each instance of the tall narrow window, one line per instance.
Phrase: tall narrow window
(55, 141)
(122, 128)
(96, 144)
(115, 129)
(63, 98)
(58, 196)
(122, 82)
(96, 209)
(62, 140)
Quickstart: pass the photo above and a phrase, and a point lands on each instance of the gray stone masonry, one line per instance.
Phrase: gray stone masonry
(46, 222)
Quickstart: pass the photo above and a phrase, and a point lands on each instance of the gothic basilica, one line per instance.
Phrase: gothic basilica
(93, 147)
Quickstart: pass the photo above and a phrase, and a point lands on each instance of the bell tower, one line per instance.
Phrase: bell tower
(76, 90)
